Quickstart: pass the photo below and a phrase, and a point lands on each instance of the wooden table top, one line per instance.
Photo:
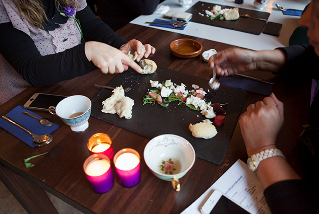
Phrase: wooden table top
(60, 172)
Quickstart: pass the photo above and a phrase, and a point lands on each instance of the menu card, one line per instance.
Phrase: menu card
(240, 185)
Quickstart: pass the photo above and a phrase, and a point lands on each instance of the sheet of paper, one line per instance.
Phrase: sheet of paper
(240, 185)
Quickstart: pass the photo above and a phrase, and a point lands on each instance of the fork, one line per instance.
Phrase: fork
(248, 16)
(109, 87)
(213, 82)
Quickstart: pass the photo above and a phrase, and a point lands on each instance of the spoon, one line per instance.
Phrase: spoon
(38, 140)
(248, 16)
(280, 7)
(213, 82)
(43, 121)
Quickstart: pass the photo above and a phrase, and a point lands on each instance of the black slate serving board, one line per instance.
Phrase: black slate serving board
(153, 120)
(247, 25)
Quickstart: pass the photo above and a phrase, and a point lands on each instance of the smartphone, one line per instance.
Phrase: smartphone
(218, 203)
(40, 101)
(272, 28)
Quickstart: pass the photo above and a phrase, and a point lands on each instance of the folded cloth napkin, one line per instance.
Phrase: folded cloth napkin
(247, 84)
(292, 12)
(27, 122)
(168, 25)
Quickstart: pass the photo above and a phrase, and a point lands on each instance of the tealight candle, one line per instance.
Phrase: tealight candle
(127, 166)
(98, 171)
(101, 143)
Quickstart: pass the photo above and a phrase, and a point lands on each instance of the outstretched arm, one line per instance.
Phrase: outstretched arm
(237, 60)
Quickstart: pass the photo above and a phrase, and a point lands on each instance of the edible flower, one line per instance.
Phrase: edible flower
(69, 11)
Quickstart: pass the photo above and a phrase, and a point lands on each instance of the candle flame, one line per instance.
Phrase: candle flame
(97, 167)
(100, 147)
(127, 161)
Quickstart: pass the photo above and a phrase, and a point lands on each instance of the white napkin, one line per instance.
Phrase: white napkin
(162, 9)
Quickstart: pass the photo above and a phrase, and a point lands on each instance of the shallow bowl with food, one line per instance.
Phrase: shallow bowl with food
(169, 156)
(185, 48)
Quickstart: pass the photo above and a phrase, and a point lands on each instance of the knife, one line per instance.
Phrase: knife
(255, 78)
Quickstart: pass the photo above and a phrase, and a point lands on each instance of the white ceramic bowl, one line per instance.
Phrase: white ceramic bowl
(170, 153)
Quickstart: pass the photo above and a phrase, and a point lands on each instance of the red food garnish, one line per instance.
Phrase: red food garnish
(156, 96)
(199, 95)
(219, 120)
(218, 109)
(180, 94)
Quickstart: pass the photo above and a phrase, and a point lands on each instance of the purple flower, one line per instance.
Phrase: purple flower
(68, 11)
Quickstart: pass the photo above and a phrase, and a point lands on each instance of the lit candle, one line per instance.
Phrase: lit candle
(127, 166)
(100, 148)
(101, 143)
(98, 171)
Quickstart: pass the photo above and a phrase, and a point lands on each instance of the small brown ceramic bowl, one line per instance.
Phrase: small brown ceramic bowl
(185, 48)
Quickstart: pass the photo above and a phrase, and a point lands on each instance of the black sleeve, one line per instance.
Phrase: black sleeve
(142, 7)
(302, 61)
(22, 54)
(95, 29)
(127, 7)
(291, 196)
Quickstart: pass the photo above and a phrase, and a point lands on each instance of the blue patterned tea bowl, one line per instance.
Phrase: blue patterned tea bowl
(74, 111)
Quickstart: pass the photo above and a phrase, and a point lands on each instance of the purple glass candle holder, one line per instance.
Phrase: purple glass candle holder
(98, 171)
(101, 143)
(128, 167)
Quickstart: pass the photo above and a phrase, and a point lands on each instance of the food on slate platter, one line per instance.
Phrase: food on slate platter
(218, 13)
(148, 66)
(119, 104)
(219, 120)
(133, 57)
(166, 92)
(204, 129)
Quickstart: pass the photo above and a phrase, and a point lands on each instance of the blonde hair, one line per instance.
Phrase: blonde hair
(33, 10)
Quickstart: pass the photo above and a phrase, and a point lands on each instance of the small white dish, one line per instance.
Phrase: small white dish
(170, 153)
(207, 54)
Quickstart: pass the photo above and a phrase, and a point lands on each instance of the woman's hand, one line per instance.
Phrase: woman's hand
(109, 59)
(261, 123)
(142, 50)
(237, 60)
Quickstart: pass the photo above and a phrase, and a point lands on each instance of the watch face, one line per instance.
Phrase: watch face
(251, 164)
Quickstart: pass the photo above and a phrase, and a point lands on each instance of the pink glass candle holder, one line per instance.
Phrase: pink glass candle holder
(127, 166)
(98, 171)
(101, 143)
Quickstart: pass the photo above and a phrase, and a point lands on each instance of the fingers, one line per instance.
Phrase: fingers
(129, 62)
(251, 107)
(142, 50)
(145, 51)
(279, 105)
(149, 50)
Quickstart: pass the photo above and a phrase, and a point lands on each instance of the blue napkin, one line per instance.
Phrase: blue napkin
(168, 25)
(27, 122)
(292, 12)
(247, 84)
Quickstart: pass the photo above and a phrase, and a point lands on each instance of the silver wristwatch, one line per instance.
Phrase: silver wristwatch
(255, 159)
